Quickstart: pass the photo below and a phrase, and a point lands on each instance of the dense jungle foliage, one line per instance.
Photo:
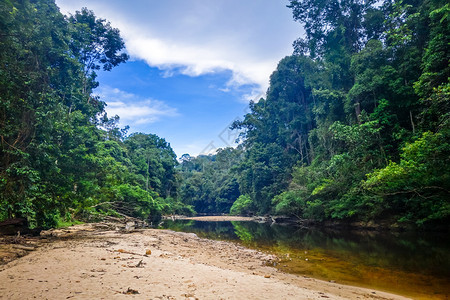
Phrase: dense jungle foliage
(61, 156)
(354, 125)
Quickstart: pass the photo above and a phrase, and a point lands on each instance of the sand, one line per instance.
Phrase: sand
(91, 261)
(216, 218)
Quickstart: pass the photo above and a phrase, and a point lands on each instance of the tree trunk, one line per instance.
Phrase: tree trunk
(358, 112)
(412, 122)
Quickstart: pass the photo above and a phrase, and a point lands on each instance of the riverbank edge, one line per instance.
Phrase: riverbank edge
(174, 244)
(379, 225)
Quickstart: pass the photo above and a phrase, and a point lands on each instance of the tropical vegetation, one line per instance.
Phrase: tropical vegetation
(354, 125)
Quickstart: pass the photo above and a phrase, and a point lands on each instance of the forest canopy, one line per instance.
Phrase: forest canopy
(354, 125)
(62, 156)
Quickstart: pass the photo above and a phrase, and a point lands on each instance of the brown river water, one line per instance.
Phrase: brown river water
(410, 264)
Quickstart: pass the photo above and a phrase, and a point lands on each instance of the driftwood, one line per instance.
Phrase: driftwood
(22, 247)
(124, 219)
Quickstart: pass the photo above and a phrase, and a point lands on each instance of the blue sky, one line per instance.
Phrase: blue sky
(195, 64)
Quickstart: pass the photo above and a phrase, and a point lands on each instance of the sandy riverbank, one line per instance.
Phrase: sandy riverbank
(88, 262)
(216, 218)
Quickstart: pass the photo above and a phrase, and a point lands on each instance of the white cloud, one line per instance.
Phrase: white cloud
(132, 109)
(196, 37)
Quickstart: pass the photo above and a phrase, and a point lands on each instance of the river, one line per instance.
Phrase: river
(410, 264)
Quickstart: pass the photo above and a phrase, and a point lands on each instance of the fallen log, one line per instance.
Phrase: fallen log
(26, 248)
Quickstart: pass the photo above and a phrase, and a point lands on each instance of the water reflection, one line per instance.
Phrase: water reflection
(410, 264)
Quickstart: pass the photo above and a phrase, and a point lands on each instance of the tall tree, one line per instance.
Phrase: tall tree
(328, 141)
(95, 44)
(153, 162)
(209, 183)
(48, 118)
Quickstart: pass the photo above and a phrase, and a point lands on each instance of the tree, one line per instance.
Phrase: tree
(29, 102)
(365, 81)
(53, 162)
(153, 162)
(328, 22)
(95, 44)
(418, 186)
(209, 182)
